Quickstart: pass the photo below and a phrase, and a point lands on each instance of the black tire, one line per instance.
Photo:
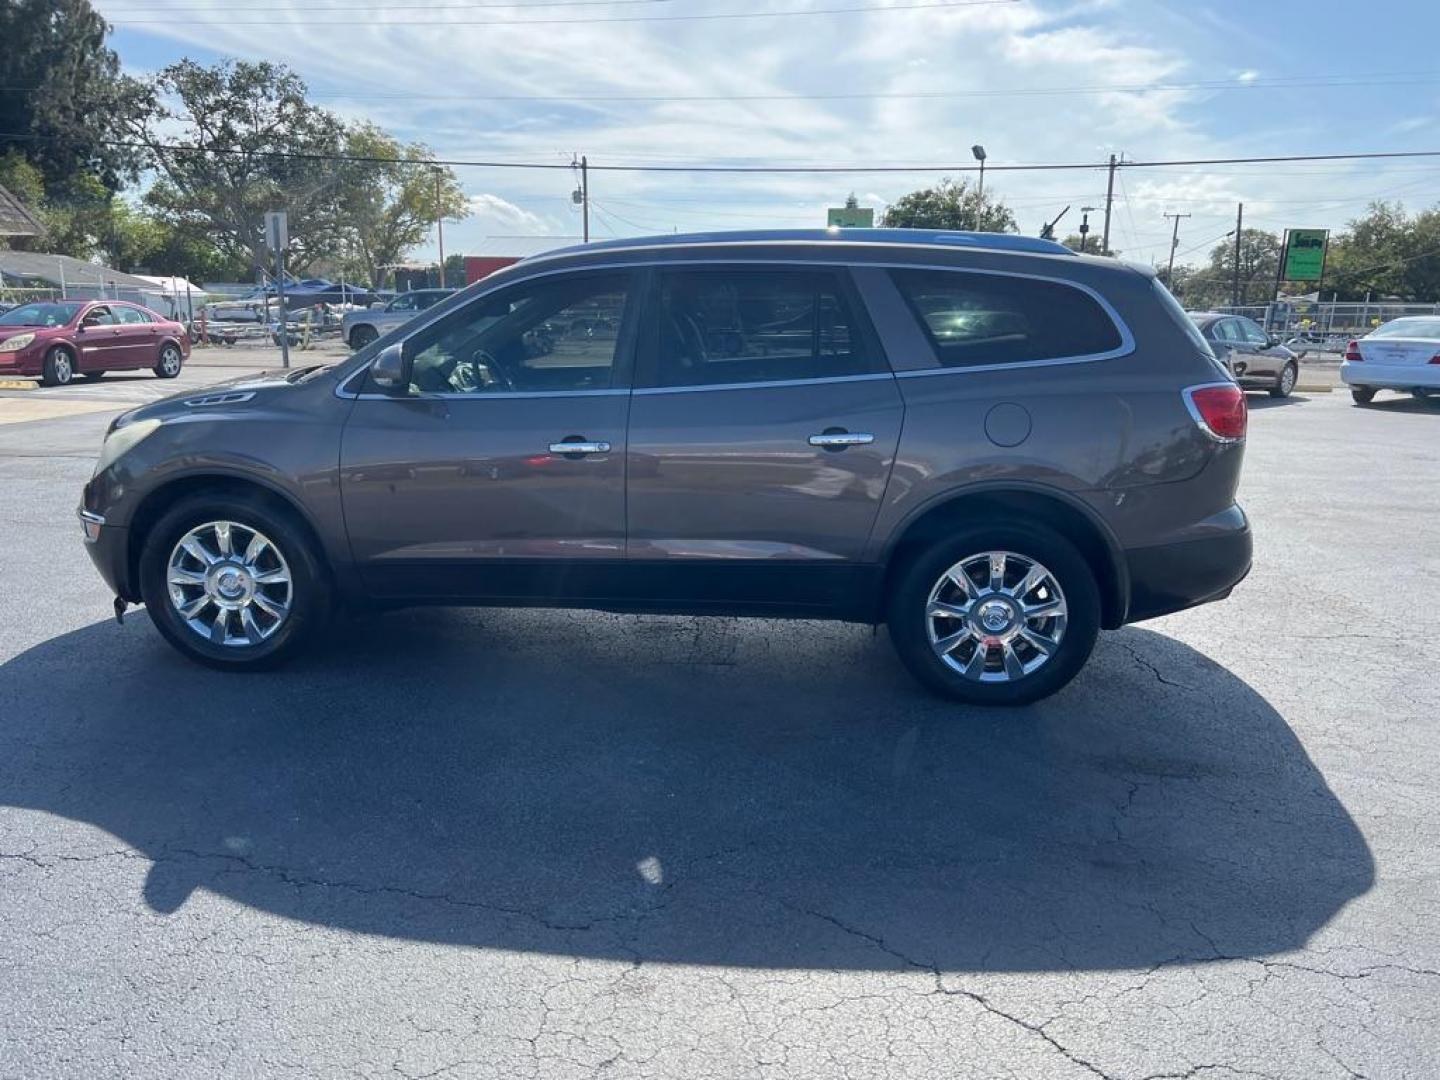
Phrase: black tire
(59, 368)
(170, 361)
(1285, 382)
(92, 376)
(362, 336)
(1031, 540)
(1362, 395)
(310, 603)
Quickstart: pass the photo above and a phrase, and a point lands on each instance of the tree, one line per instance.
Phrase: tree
(390, 206)
(265, 147)
(952, 204)
(1212, 284)
(1387, 253)
(1092, 244)
(62, 87)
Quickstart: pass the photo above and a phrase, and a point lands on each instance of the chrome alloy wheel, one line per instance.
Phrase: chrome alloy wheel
(229, 583)
(170, 360)
(996, 617)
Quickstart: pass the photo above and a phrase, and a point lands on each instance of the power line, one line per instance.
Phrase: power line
(1094, 166)
(708, 16)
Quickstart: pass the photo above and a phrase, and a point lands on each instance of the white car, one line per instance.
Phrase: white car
(1403, 355)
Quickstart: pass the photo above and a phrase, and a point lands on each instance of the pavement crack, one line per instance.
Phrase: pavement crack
(970, 995)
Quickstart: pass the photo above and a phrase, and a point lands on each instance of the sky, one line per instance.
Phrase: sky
(863, 83)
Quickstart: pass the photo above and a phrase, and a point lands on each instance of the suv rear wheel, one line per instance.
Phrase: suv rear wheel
(1001, 614)
(232, 583)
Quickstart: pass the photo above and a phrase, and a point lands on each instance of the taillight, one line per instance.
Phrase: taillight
(1219, 409)
(1435, 359)
(1352, 352)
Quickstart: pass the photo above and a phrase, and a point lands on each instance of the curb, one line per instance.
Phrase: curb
(1316, 388)
(18, 384)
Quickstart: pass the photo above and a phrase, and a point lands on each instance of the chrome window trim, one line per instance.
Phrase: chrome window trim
(460, 395)
(822, 258)
(648, 391)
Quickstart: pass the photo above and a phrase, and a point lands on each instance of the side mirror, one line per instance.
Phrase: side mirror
(390, 372)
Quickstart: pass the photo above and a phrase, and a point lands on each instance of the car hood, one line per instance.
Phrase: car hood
(243, 392)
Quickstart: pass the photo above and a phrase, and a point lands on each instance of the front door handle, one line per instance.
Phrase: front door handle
(579, 446)
(838, 440)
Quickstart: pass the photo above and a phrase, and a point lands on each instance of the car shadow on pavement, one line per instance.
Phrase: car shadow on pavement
(774, 795)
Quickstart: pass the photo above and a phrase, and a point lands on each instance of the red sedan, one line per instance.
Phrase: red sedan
(57, 340)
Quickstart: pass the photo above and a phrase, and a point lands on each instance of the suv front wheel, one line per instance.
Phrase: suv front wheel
(1001, 614)
(232, 582)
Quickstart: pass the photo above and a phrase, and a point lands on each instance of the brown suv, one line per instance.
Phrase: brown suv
(989, 443)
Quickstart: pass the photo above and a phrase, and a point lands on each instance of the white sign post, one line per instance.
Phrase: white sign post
(277, 236)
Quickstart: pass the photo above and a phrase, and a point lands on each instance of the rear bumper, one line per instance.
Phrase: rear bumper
(1175, 576)
(1391, 376)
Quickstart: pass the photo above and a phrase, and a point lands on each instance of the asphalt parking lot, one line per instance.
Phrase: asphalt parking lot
(493, 843)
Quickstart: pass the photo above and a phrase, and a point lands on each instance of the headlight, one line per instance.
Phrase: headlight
(122, 440)
(16, 343)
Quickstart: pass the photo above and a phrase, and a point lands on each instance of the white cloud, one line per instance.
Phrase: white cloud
(1021, 78)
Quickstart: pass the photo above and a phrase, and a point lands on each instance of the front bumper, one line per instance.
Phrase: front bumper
(109, 549)
(1172, 577)
(1391, 376)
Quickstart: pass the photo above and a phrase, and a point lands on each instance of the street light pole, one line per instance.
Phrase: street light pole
(979, 152)
(1085, 212)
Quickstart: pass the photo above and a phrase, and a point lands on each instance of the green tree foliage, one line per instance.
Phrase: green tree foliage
(952, 204)
(61, 87)
(1387, 253)
(1211, 285)
(1092, 244)
(275, 142)
(388, 207)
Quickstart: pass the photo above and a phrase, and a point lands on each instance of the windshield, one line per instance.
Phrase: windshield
(40, 315)
(1421, 328)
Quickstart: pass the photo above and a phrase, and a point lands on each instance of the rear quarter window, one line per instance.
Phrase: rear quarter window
(977, 319)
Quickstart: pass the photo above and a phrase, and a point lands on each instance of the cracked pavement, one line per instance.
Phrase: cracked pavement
(545, 844)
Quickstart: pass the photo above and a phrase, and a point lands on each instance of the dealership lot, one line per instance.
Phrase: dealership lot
(498, 843)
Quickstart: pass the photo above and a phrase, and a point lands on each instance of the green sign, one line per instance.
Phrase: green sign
(1305, 254)
(850, 217)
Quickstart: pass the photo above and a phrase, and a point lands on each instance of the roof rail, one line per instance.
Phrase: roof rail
(979, 241)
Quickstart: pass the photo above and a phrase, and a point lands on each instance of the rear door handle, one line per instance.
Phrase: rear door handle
(838, 440)
(579, 447)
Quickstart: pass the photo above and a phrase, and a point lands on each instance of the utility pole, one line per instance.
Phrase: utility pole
(1109, 203)
(1239, 226)
(585, 197)
(440, 228)
(1174, 243)
(978, 152)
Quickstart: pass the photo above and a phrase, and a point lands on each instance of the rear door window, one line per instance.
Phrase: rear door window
(755, 325)
(979, 319)
(130, 315)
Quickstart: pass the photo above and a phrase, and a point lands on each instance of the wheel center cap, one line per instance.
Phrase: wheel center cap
(995, 616)
(231, 583)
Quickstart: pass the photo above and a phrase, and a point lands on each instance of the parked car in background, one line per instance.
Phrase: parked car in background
(802, 424)
(1403, 355)
(250, 308)
(1256, 359)
(57, 340)
(360, 328)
